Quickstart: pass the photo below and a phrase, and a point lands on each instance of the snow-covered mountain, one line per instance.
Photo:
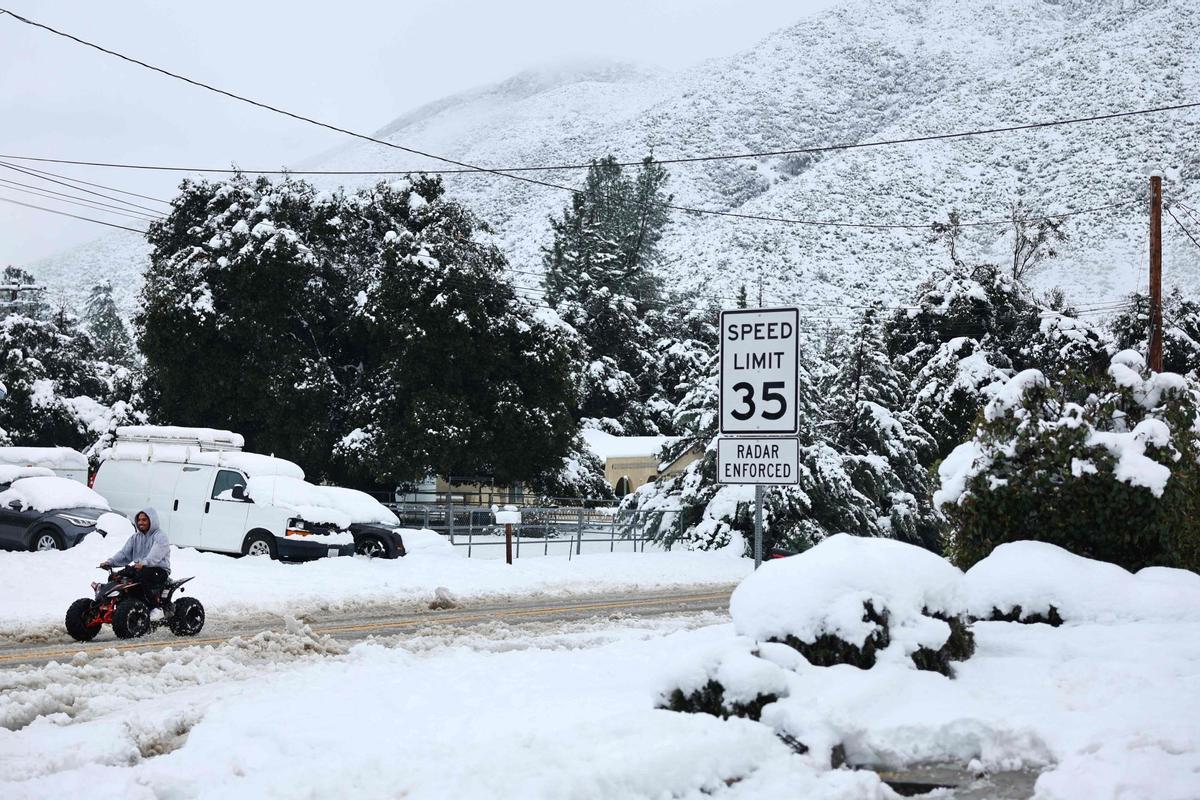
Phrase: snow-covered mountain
(865, 70)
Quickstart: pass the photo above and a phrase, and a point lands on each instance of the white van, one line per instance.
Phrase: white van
(62, 461)
(212, 496)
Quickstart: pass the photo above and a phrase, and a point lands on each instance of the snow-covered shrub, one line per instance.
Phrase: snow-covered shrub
(1115, 477)
(735, 683)
(1040, 582)
(1181, 330)
(856, 600)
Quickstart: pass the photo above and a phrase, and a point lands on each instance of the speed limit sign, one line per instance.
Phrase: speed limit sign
(759, 361)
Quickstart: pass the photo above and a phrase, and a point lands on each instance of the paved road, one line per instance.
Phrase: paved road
(385, 621)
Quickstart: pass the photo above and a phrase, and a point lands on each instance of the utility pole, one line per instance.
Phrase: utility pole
(760, 294)
(1156, 329)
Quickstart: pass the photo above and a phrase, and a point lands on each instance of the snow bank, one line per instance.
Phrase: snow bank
(328, 504)
(425, 542)
(49, 493)
(48, 457)
(823, 591)
(1037, 576)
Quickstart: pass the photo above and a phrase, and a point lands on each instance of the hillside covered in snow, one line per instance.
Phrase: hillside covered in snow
(863, 71)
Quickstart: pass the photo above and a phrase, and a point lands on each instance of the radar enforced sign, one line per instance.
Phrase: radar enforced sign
(767, 461)
(759, 358)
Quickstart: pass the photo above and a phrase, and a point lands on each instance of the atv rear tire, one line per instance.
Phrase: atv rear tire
(131, 619)
(78, 615)
(187, 618)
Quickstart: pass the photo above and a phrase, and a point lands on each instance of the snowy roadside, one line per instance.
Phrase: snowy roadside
(1104, 710)
(36, 588)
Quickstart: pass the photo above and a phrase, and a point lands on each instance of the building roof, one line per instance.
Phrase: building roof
(607, 446)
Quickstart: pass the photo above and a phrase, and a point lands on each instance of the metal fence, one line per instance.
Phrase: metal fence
(543, 530)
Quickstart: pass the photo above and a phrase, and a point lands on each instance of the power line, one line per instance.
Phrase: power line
(50, 194)
(65, 214)
(513, 173)
(1181, 225)
(24, 171)
(89, 183)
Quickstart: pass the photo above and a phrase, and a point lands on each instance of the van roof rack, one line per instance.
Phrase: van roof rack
(209, 439)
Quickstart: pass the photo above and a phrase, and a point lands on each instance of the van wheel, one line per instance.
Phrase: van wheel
(259, 544)
(372, 547)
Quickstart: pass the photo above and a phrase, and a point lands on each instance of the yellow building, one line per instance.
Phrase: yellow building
(629, 461)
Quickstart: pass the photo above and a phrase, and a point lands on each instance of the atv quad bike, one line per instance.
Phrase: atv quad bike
(128, 614)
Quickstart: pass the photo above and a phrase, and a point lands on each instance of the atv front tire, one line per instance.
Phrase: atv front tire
(131, 619)
(80, 620)
(187, 618)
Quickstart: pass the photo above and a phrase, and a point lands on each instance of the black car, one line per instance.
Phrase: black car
(25, 528)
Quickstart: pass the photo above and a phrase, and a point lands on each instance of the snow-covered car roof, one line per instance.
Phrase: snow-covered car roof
(51, 493)
(48, 457)
(10, 473)
(253, 464)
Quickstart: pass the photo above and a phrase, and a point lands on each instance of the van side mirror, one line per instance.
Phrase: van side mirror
(15, 505)
(239, 492)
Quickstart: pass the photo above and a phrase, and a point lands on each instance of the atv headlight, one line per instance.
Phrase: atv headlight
(78, 522)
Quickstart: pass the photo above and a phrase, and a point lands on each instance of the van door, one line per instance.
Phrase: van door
(225, 516)
(187, 504)
(125, 485)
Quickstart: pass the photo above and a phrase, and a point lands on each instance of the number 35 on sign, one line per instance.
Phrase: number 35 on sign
(759, 362)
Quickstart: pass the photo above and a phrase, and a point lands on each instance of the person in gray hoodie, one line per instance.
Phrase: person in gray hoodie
(146, 558)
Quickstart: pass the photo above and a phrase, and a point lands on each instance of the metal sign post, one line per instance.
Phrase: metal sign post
(759, 491)
(759, 386)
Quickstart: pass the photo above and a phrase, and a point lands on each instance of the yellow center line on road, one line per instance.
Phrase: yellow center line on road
(433, 619)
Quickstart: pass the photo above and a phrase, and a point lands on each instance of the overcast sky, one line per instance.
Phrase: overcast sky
(356, 63)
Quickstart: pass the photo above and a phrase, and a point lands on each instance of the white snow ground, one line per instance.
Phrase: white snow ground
(1104, 706)
(567, 711)
(36, 588)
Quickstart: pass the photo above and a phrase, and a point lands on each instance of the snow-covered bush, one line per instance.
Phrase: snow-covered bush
(855, 600)
(1115, 477)
(849, 600)
(1039, 582)
(1181, 330)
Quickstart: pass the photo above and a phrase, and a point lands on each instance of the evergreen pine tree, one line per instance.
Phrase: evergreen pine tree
(599, 276)
(106, 326)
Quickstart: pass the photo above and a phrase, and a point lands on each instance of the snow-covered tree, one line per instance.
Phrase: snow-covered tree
(599, 276)
(107, 327)
(1115, 477)
(1181, 329)
(60, 392)
(371, 336)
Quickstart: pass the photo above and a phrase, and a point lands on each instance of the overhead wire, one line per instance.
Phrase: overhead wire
(65, 214)
(89, 183)
(515, 173)
(23, 171)
(63, 197)
(1183, 228)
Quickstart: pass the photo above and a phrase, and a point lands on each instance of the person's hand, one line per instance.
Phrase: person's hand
(138, 565)
(105, 565)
